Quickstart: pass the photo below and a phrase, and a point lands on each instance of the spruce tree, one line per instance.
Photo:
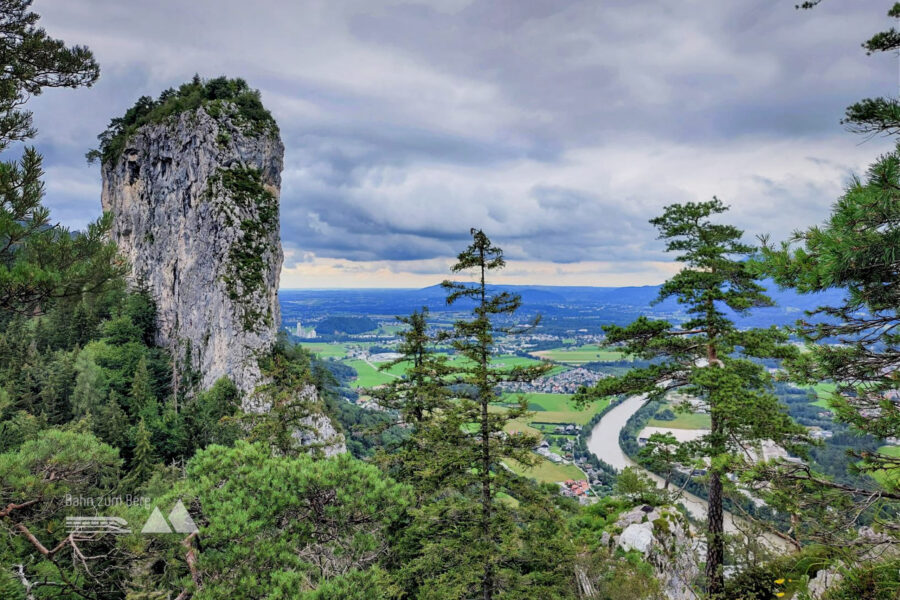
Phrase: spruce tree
(418, 398)
(143, 401)
(484, 442)
(143, 461)
(708, 356)
(111, 422)
(467, 539)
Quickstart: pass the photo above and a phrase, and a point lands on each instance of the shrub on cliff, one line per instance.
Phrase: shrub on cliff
(211, 94)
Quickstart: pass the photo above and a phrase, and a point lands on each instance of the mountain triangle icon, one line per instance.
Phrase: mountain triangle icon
(181, 520)
(156, 523)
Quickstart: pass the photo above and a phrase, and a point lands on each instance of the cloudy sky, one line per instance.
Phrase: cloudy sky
(559, 127)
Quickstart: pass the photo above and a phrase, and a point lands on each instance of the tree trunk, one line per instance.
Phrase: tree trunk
(487, 583)
(715, 543)
(488, 580)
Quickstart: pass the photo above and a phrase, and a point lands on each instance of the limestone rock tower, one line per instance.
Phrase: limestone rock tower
(194, 186)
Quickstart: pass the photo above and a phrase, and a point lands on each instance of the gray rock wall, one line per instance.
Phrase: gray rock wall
(195, 205)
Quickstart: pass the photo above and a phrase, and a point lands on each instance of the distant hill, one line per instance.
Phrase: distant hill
(606, 304)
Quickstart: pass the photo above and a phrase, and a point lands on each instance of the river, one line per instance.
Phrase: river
(604, 443)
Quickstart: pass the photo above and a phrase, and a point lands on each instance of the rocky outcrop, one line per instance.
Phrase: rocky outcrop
(195, 204)
(662, 535)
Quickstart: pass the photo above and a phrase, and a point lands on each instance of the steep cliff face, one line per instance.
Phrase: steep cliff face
(195, 205)
(185, 199)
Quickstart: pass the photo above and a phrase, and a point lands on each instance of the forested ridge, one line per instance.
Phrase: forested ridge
(97, 421)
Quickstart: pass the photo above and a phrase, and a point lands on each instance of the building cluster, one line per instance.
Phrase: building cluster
(566, 382)
(305, 334)
(575, 488)
(567, 429)
(544, 450)
(817, 433)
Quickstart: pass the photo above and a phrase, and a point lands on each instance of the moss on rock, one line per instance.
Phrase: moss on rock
(253, 210)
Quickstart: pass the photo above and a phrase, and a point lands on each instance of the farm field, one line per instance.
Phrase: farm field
(326, 350)
(558, 408)
(579, 355)
(367, 375)
(684, 421)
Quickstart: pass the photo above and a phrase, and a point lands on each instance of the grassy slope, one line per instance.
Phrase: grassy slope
(546, 471)
(368, 376)
(823, 391)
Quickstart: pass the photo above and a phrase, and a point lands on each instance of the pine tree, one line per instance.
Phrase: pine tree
(662, 454)
(855, 343)
(34, 61)
(708, 357)
(38, 261)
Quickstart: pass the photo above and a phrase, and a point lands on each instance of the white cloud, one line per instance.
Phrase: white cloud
(559, 126)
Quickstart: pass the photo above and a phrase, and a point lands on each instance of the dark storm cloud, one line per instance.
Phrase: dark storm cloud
(559, 127)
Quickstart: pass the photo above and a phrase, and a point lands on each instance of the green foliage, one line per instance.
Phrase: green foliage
(289, 403)
(142, 463)
(370, 584)
(872, 581)
(32, 62)
(143, 400)
(466, 537)
(279, 527)
(853, 344)
(206, 417)
(221, 96)
(662, 454)
(637, 487)
(615, 575)
(707, 357)
(40, 262)
(35, 483)
(420, 399)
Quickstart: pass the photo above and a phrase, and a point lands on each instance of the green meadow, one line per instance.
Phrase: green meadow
(368, 376)
(579, 355)
(325, 349)
(684, 421)
(823, 392)
(889, 479)
(546, 471)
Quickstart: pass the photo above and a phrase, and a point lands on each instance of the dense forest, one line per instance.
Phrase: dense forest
(97, 420)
